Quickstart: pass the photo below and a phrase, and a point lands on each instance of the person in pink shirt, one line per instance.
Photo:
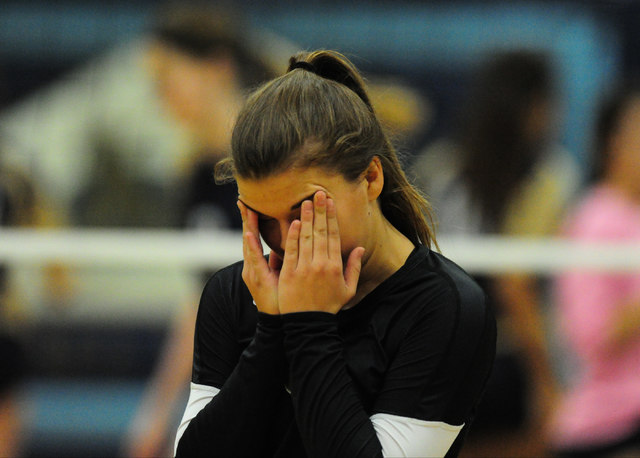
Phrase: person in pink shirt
(599, 312)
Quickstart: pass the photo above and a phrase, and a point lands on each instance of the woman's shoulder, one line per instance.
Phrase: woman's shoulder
(441, 279)
(438, 299)
(225, 276)
(225, 288)
(466, 313)
(467, 289)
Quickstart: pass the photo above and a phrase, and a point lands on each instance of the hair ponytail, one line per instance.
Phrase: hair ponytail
(333, 66)
(319, 115)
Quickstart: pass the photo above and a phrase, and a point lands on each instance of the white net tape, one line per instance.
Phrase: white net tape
(202, 250)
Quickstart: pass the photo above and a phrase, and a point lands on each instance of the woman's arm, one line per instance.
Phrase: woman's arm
(330, 415)
(310, 287)
(236, 420)
(239, 410)
(427, 393)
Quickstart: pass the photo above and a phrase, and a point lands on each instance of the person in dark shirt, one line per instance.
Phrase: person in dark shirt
(352, 337)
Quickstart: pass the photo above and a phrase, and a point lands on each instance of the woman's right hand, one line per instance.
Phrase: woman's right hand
(260, 276)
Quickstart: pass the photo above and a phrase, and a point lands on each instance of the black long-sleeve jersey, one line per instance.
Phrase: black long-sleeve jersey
(420, 346)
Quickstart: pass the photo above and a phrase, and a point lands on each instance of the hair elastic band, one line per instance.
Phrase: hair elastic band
(303, 65)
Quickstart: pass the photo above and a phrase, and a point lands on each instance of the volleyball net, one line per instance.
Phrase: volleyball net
(168, 249)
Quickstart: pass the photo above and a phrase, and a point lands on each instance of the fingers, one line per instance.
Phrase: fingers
(320, 242)
(249, 220)
(251, 246)
(333, 233)
(254, 253)
(318, 236)
(290, 261)
(245, 245)
(305, 242)
(352, 271)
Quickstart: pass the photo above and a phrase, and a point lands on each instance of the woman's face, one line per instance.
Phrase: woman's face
(277, 199)
(188, 85)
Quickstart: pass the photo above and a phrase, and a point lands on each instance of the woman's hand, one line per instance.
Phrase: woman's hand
(260, 277)
(312, 277)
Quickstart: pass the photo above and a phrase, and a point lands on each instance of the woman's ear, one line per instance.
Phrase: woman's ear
(375, 178)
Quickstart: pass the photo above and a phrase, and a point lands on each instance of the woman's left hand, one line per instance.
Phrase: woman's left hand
(312, 276)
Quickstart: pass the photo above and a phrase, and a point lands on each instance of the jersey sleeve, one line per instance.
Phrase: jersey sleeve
(443, 362)
(330, 415)
(429, 392)
(216, 348)
(250, 380)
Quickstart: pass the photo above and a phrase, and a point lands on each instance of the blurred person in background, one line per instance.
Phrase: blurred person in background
(143, 115)
(502, 173)
(202, 60)
(599, 312)
(125, 141)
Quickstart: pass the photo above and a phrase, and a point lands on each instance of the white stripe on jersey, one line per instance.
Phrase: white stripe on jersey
(405, 436)
(199, 397)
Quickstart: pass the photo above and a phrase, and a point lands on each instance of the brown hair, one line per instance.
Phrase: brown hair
(318, 114)
(498, 152)
(205, 31)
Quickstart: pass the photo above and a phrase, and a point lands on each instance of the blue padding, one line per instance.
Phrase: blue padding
(79, 411)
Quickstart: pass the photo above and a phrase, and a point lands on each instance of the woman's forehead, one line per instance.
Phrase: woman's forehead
(284, 192)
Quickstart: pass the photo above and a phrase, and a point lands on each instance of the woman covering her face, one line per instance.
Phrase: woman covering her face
(352, 337)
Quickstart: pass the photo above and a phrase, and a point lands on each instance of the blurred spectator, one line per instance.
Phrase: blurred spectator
(106, 119)
(599, 312)
(502, 172)
(128, 139)
(201, 62)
